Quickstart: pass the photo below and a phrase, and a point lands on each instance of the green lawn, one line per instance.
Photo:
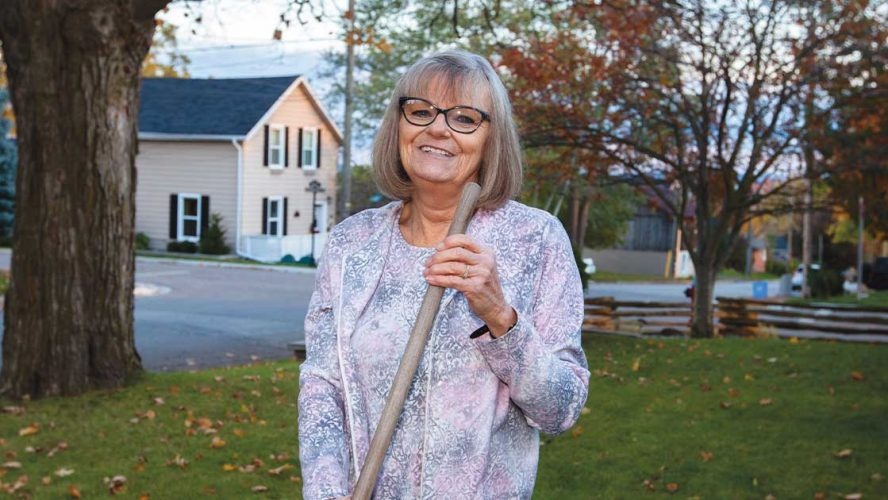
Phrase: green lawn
(733, 274)
(873, 299)
(608, 276)
(711, 419)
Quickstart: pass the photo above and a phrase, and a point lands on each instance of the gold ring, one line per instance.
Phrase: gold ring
(466, 272)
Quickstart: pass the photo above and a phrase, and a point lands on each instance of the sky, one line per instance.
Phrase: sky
(234, 38)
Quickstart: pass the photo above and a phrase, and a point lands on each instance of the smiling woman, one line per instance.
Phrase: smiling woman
(504, 360)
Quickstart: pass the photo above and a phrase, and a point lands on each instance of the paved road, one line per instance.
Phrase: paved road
(210, 316)
(194, 316)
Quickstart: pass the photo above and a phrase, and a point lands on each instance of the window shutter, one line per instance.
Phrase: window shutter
(265, 149)
(299, 162)
(264, 215)
(174, 216)
(318, 150)
(286, 146)
(204, 213)
(286, 216)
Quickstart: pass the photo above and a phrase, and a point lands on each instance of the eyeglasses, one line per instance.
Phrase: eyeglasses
(462, 119)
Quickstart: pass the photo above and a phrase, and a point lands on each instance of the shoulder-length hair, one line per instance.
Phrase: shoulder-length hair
(459, 74)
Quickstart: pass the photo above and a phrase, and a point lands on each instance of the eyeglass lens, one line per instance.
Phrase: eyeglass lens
(459, 118)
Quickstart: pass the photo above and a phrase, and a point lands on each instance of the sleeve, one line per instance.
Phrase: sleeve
(541, 358)
(323, 443)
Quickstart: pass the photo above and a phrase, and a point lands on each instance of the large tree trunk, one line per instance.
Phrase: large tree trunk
(702, 325)
(74, 75)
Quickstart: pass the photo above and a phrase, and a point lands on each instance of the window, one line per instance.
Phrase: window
(276, 146)
(189, 217)
(274, 222)
(309, 148)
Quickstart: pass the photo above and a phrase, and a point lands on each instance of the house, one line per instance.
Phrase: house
(246, 149)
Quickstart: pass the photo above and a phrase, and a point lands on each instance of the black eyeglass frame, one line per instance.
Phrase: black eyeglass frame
(401, 100)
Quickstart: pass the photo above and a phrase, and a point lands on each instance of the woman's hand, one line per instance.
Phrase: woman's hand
(462, 264)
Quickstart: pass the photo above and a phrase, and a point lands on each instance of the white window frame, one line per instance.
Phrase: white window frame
(322, 217)
(311, 146)
(181, 217)
(281, 147)
(279, 219)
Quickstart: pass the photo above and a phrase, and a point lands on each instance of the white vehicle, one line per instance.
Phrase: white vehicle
(798, 275)
(590, 265)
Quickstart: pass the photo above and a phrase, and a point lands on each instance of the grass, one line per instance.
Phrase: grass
(733, 274)
(683, 414)
(214, 258)
(609, 276)
(873, 299)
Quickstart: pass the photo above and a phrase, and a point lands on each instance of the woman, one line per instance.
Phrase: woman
(503, 360)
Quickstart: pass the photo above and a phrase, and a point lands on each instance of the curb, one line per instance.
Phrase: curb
(230, 265)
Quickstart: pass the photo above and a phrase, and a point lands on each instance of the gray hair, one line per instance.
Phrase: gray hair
(461, 73)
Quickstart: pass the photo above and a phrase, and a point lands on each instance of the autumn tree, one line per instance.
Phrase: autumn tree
(164, 58)
(702, 97)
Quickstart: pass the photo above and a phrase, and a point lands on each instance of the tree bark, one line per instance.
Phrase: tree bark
(702, 326)
(74, 77)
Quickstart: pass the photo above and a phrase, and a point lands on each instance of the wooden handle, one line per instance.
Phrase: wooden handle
(412, 353)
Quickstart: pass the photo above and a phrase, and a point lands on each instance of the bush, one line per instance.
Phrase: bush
(825, 283)
(182, 246)
(142, 241)
(776, 267)
(212, 240)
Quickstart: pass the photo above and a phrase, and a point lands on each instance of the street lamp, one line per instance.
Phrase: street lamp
(314, 187)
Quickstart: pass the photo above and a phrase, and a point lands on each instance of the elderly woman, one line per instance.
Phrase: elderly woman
(504, 359)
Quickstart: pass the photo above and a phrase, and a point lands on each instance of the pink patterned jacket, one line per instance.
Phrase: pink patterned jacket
(483, 401)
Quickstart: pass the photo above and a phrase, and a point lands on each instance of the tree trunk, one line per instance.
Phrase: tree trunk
(74, 75)
(704, 285)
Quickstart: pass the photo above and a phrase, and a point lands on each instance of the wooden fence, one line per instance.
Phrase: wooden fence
(743, 317)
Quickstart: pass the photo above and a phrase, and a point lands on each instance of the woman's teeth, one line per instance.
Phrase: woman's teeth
(429, 149)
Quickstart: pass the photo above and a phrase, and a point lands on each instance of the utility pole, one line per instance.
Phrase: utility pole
(350, 40)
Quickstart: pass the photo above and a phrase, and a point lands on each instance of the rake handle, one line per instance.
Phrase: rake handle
(419, 336)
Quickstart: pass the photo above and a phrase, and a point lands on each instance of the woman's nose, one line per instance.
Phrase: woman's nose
(439, 125)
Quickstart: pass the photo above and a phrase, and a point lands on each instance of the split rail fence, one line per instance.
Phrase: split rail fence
(742, 317)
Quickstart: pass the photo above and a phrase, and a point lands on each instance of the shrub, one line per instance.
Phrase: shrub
(142, 241)
(182, 246)
(825, 283)
(776, 267)
(212, 240)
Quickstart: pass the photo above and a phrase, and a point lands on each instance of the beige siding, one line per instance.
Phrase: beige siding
(164, 168)
(260, 182)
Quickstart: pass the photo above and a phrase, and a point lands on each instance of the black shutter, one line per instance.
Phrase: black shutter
(299, 151)
(204, 213)
(265, 149)
(286, 146)
(264, 215)
(286, 216)
(174, 216)
(318, 152)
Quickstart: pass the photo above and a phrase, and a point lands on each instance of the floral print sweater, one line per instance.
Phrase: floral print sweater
(471, 424)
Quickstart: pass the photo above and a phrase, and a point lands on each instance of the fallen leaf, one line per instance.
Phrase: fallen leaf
(64, 472)
(116, 484)
(672, 487)
(843, 453)
(706, 455)
(239, 433)
(259, 488)
(12, 465)
(636, 365)
(765, 401)
(725, 405)
(73, 491)
(857, 376)
(877, 477)
(46, 481)
(159, 401)
(229, 467)
(144, 496)
(853, 496)
(577, 431)
(793, 340)
(585, 411)
(178, 461)
(278, 470)
(217, 442)
(14, 410)
(29, 430)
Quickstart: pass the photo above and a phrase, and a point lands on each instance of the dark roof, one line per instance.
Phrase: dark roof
(230, 106)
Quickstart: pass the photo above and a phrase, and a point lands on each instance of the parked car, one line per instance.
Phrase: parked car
(798, 275)
(878, 274)
(590, 265)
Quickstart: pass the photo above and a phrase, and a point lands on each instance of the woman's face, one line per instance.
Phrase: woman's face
(435, 157)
